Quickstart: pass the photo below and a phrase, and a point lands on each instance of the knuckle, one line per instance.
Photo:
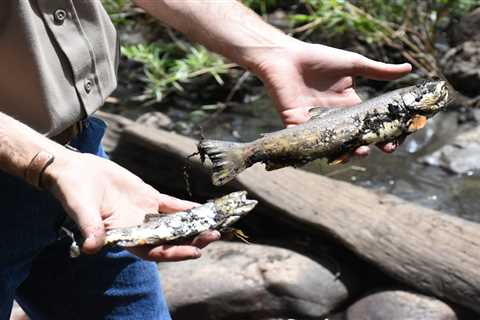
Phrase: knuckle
(159, 255)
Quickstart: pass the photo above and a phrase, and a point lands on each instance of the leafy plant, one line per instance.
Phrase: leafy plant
(408, 26)
(121, 12)
(164, 73)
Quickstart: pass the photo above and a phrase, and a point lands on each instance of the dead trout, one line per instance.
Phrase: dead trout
(331, 132)
(158, 228)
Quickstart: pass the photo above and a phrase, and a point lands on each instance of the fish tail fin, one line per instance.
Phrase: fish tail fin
(228, 159)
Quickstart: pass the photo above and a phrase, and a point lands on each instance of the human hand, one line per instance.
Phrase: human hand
(302, 75)
(100, 195)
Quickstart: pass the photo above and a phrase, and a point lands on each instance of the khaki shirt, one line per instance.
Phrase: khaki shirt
(58, 61)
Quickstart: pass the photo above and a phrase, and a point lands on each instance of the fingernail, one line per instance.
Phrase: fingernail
(394, 146)
(216, 235)
(362, 151)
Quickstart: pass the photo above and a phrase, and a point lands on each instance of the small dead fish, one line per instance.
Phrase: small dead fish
(218, 214)
(331, 133)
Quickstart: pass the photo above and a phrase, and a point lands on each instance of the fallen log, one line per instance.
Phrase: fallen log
(431, 251)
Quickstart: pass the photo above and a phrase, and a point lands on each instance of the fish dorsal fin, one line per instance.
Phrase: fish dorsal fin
(151, 217)
(320, 112)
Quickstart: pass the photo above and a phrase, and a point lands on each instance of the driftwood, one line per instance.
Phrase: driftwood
(431, 251)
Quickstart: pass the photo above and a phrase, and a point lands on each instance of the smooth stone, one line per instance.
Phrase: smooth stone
(461, 66)
(155, 119)
(399, 305)
(467, 29)
(238, 281)
(460, 156)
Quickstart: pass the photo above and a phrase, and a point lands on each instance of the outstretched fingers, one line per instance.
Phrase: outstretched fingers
(168, 204)
(171, 253)
(205, 238)
(372, 69)
(391, 146)
(167, 253)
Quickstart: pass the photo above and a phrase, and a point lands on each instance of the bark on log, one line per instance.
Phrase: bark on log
(431, 251)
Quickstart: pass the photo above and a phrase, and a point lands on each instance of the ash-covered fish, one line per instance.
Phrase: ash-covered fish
(331, 132)
(219, 214)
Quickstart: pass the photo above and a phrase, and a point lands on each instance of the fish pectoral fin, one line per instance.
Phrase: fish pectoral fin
(232, 232)
(417, 123)
(240, 235)
(320, 112)
(151, 217)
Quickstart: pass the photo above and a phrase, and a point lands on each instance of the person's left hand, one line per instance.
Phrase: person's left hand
(302, 75)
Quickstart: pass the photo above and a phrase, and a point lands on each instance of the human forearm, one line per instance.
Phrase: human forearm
(19, 144)
(95, 192)
(226, 27)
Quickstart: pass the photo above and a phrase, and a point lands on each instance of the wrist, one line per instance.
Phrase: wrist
(52, 173)
(37, 166)
(260, 60)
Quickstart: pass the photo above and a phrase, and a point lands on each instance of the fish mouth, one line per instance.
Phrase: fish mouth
(434, 97)
(235, 203)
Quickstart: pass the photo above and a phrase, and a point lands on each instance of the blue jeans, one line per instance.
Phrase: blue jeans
(36, 270)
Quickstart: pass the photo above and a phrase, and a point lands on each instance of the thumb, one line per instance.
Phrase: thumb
(380, 71)
(168, 204)
(91, 226)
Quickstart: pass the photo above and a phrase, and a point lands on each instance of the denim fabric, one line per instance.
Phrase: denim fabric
(36, 270)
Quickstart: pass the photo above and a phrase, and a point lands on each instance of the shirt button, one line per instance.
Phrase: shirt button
(59, 16)
(88, 85)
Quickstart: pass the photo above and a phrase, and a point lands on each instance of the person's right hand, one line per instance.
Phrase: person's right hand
(99, 194)
(300, 75)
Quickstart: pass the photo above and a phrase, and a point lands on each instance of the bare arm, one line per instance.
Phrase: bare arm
(19, 144)
(297, 75)
(95, 192)
(226, 27)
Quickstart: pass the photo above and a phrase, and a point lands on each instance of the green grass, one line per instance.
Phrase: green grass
(163, 74)
(409, 27)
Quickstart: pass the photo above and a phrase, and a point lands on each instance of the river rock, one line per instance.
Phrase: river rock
(467, 29)
(399, 305)
(460, 156)
(156, 119)
(238, 281)
(461, 66)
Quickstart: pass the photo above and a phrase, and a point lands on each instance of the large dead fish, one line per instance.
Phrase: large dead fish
(331, 132)
(158, 228)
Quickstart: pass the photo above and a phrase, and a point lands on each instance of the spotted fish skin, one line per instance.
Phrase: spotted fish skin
(331, 132)
(217, 214)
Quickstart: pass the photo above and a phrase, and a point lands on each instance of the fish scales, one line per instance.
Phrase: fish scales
(218, 214)
(331, 132)
(163, 228)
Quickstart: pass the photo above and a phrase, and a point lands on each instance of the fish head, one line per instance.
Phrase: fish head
(427, 97)
(233, 206)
